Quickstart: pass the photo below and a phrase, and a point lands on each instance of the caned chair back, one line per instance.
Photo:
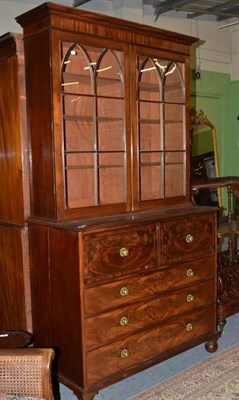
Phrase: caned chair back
(26, 372)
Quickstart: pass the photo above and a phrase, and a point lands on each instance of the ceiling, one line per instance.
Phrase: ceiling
(217, 10)
(220, 9)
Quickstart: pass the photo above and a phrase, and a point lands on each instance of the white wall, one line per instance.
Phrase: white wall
(217, 51)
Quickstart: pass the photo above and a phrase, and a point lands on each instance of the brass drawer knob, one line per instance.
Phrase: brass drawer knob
(124, 291)
(125, 353)
(190, 273)
(189, 238)
(124, 321)
(190, 298)
(124, 252)
(189, 327)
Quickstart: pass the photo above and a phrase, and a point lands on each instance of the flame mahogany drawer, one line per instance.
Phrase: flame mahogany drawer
(128, 319)
(118, 293)
(187, 238)
(133, 350)
(118, 252)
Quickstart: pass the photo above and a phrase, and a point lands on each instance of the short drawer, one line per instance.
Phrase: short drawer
(136, 349)
(187, 238)
(127, 320)
(115, 252)
(111, 295)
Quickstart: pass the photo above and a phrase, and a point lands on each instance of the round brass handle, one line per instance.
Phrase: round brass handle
(189, 327)
(123, 252)
(189, 238)
(190, 273)
(124, 321)
(125, 353)
(190, 298)
(124, 291)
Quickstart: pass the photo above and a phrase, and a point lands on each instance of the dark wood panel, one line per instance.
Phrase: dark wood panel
(184, 238)
(40, 284)
(14, 175)
(38, 86)
(98, 25)
(115, 253)
(65, 302)
(15, 305)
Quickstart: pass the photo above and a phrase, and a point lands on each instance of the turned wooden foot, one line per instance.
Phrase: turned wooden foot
(211, 346)
(86, 396)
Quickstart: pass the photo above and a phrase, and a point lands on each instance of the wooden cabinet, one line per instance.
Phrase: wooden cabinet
(112, 131)
(15, 304)
(115, 292)
(123, 266)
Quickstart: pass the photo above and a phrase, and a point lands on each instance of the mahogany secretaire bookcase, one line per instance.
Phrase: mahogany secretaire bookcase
(123, 266)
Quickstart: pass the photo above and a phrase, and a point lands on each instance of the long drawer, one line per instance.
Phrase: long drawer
(127, 320)
(120, 355)
(118, 293)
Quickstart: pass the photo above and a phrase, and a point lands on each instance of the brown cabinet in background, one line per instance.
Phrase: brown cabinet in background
(15, 304)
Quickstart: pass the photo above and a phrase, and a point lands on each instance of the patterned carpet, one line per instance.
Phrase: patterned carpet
(212, 379)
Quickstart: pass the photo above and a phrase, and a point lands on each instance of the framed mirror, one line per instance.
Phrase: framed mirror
(204, 156)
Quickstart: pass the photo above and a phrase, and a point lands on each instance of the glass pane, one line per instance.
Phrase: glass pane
(80, 179)
(110, 108)
(149, 111)
(111, 178)
(174, 126)
(76, 70)
(94, 109)
(80, 187)
(174, 89)
(110, 136)
(149, 79)
(76, 160)
(78, 106)
(109, 78)
(150, 137)
(150, 183)
(78, 136)
(174, 174)
(150, 176)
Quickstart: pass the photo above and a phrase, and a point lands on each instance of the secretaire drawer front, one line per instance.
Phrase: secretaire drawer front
(118, 293)
(187, 238)
(142, 346)
(127, 320)
(119, 252)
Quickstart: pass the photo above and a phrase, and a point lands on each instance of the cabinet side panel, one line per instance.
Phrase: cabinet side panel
(11, 171)
(38, 88)
(12, 295)
(65, 302)
(38, 241)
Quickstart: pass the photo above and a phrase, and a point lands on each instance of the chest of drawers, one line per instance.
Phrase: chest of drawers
(124, 296)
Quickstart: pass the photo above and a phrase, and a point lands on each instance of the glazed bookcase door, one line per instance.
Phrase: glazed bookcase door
(160, 170)
(94, 126)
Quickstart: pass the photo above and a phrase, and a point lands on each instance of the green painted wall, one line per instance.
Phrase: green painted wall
(230, 149)
(202, 143)
(218, 97)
